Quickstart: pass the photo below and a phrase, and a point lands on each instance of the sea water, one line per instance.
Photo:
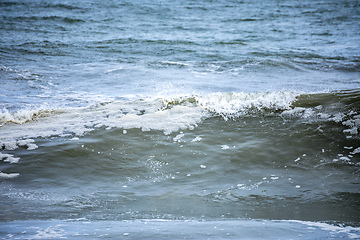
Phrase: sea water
(179, 119)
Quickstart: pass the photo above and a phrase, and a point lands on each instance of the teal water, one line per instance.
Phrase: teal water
(179, 120)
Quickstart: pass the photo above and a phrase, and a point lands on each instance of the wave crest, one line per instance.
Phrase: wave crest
(22, 116)
(234, 105)
(177, 112)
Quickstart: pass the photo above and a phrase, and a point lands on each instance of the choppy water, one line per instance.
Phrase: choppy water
(179, 119)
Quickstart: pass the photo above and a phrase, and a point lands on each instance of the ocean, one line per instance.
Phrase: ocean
(184, 119)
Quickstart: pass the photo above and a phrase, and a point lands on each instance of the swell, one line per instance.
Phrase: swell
(29, 4)
(249, 151)
(346, 98)
(43, 18)
(174, 113)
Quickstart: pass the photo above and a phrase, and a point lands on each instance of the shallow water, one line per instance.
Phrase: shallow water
(153, 118)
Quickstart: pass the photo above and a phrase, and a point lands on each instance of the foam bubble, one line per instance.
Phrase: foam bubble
(179, 137)
(344, 158)
(9, 175)
(11, 145)
(29, 143)
(357, 150)
(224, 147)
(197, 139)
(352, 131)
(9, 158)
(14, 144)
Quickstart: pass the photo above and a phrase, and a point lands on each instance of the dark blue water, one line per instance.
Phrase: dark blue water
(179, 119)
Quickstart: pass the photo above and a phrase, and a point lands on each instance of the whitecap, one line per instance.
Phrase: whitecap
(197, 139)
(9, 175)
(9, 158)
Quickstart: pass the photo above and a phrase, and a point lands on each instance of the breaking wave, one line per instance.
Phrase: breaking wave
(173, 113)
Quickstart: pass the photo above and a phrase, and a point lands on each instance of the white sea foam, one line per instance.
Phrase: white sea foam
(10, 145)
(353, 124)
(197, 139)
(23, 115)
(350, 119)
(230, 105)
(50, 232)
(13, 144)
(356, 151)
(351, 232)
(143, 114)
(172, 229)
(224, 147)
(29, 143)
(9, 158)
(9, 175)
(172, 113)
(179, 137)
